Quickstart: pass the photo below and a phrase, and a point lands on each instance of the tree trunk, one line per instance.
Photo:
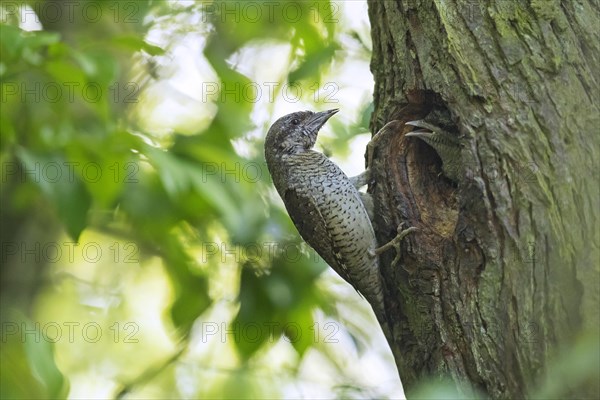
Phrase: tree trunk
(503, 271)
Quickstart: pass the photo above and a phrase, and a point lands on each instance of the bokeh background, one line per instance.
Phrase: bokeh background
(145, 252)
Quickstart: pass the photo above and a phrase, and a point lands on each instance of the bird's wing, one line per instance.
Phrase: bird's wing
(313, 228)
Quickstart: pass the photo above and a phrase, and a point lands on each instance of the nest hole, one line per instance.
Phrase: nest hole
(434, 194)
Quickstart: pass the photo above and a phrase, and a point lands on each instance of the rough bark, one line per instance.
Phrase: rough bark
(503, 271)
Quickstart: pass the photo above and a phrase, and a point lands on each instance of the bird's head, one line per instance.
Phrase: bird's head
(296, 132)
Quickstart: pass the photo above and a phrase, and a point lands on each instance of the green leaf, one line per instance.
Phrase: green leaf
(105, 163)
(40, 356)
(280, 302)
(17, 45)
(191, 299)
(183, 178)
(299, 329)
(312, 64)
(191, 287)
(136, 43)
(11, 42)
(328, 15)
(443, 389)
(57, 180)
(256, 319)
(365, 117)
(27, 362)
(147, 197)
(574, 367)
(65, 71)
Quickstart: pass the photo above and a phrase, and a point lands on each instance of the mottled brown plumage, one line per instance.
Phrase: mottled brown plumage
(323, 203)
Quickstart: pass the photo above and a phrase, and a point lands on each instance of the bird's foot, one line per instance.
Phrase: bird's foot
(395, 243)
(391, 128)
(361, 179)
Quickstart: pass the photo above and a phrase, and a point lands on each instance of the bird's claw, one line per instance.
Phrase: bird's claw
(395, 243)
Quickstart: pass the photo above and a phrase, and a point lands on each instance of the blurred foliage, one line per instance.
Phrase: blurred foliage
(83, 164)
(75, 158)
(436, 389)
(28, 367)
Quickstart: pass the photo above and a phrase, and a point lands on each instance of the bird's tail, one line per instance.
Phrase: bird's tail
(384, 321)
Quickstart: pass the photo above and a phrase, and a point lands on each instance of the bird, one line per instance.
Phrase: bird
(325, 205)
(444, 143)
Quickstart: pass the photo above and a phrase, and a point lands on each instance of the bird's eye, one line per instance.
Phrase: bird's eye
(295, 121)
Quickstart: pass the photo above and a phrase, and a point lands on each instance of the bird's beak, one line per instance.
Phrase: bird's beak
(424, 133)
(419, 133)
(318, 119)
